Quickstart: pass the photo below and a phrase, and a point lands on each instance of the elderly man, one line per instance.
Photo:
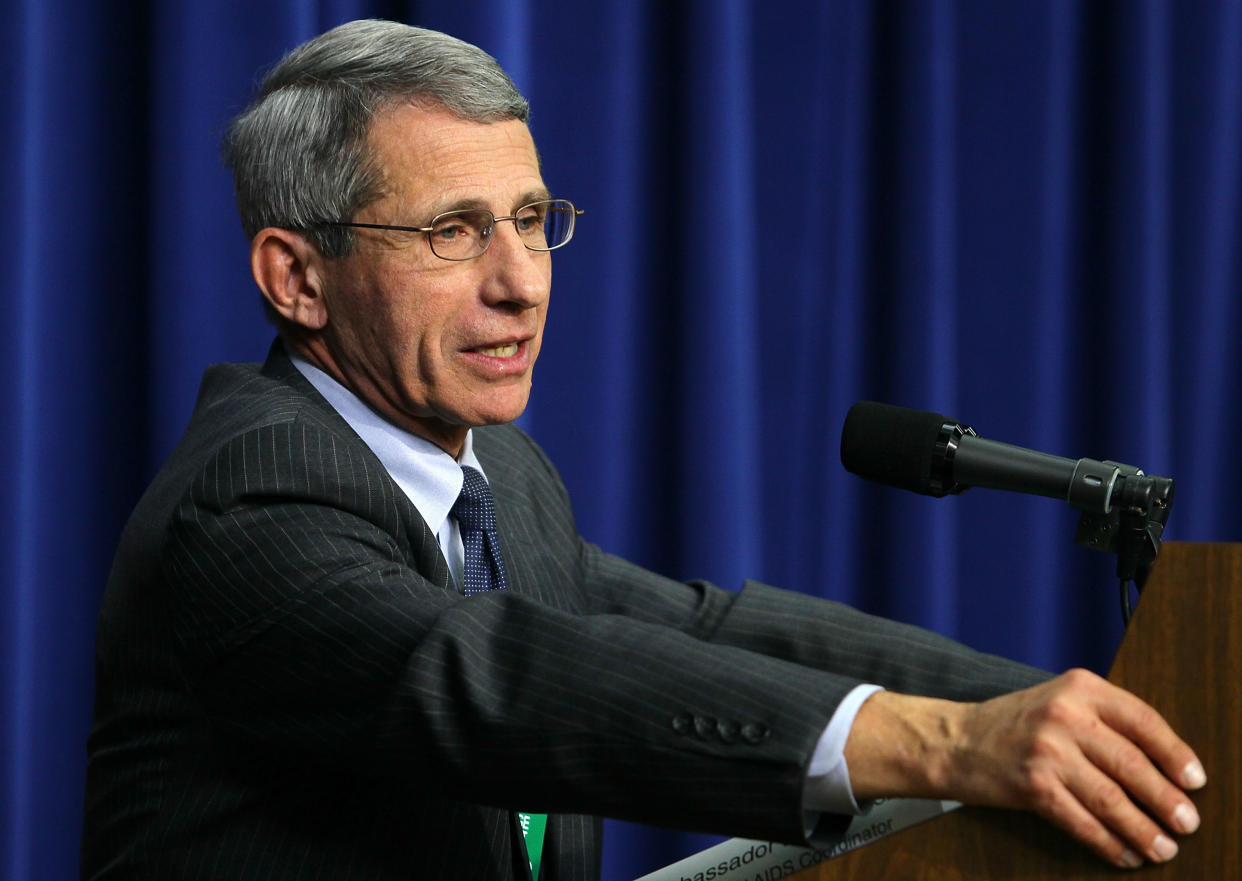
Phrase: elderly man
(352, 631)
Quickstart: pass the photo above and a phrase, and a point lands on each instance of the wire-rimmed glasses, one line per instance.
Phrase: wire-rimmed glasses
(466, 233)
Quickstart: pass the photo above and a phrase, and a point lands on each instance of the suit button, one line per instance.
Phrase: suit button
(729, 730)
(683, 723)
(704, 727)
(754, 732)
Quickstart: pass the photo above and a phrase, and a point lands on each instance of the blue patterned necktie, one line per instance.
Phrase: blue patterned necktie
(485, 570)
(475, 515)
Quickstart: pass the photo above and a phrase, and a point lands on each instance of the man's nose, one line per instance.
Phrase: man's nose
(519, 275)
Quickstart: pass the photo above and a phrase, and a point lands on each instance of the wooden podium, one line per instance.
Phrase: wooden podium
(1182, 653)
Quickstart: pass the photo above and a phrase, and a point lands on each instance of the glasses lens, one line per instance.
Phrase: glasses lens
(546, 225)
(461, 235)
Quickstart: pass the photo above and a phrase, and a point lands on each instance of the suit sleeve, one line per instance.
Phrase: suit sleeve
(804, 630)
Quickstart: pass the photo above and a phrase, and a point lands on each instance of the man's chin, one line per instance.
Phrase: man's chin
(447, 425)
(499, 410)
(497, 417)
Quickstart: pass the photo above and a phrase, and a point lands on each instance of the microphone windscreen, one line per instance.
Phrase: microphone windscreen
(891, 445)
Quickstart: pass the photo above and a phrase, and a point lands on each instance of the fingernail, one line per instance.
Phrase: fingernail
(1186, 818)
(1163, 848)
(1193, 776)
(1130, 860)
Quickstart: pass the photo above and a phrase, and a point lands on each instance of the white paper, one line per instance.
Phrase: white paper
(740, 859)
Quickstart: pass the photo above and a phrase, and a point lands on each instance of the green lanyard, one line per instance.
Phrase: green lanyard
(533, 826)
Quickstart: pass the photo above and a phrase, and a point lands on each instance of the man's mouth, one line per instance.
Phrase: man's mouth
(505, 350)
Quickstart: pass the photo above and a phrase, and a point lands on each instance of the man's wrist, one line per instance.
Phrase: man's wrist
(903, 746)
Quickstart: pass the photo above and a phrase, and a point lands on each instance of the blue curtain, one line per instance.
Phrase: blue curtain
(1025, 214)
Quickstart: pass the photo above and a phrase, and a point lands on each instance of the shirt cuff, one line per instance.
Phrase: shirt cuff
(827, 786)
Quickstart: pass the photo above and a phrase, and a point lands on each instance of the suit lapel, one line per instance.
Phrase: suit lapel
(424, 547)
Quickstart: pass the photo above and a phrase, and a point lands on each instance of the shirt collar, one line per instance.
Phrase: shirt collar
(429, 476)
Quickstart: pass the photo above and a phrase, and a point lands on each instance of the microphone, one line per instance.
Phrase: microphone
(934, 455)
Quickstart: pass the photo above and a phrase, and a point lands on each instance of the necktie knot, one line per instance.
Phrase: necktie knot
(483, 566)
(473, 508)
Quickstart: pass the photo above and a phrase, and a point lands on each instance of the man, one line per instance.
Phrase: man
(316, 659)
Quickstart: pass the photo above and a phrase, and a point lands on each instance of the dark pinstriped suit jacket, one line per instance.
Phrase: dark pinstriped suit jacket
(289, 686)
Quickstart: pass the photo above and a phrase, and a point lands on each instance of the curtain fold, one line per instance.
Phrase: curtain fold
(1025, 215)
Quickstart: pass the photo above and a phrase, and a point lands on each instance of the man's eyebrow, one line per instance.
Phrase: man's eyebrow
(445, 207)
(539, 195)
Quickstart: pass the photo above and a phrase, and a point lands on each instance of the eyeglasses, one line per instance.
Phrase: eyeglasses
(466, 234)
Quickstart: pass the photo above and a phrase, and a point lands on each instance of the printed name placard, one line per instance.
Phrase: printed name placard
(740, 859)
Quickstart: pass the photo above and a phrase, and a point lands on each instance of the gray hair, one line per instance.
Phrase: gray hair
(299, 152)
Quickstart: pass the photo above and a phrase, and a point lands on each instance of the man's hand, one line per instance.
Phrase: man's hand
(1082, 753)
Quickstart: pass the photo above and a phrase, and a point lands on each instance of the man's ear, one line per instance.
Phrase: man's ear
(287, 269)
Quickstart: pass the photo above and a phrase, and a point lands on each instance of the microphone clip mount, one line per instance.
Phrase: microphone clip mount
(1132, 526)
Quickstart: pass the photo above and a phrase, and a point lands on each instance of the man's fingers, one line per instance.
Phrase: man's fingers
(1083, 824)
(1132, 770)
(1102, 794)
(1134, 719)
(1137, 736)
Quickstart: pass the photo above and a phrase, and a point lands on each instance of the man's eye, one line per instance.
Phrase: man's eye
(449, 231)
(529, 220)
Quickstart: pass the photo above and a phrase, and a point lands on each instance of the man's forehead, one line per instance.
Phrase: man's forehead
(437, 159)
(431, 138)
